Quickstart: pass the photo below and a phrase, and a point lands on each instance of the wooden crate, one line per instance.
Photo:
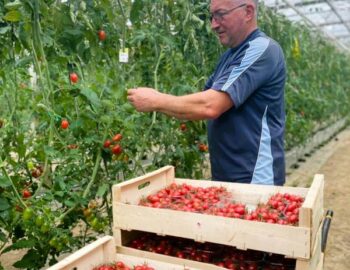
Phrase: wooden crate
(104, 250)
(314, 263)
(292, 241)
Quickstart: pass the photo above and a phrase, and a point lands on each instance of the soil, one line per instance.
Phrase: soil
(332, 160)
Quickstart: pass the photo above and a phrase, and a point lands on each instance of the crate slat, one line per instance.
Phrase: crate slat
(243, 234)
(104, 250)
(132, 191)
(99, 251)
(164, 258)
(316, 260)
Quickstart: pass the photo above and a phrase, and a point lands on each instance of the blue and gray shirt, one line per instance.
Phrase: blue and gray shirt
(246, 142)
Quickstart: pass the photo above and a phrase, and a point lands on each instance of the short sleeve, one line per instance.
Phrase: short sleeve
(255, 69)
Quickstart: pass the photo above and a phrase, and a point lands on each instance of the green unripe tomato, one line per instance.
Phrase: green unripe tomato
(65, 239)
(53, 242)
(39, 221)
(27, 214)
(95, 224)
(45, 227)
(59, 246)
(30, 165)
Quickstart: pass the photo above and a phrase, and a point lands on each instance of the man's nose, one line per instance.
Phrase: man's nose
(214, 24)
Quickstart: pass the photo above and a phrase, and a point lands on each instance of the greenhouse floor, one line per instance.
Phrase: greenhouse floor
(332, 160)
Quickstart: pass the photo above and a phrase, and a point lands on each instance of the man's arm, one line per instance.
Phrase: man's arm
(208, 104)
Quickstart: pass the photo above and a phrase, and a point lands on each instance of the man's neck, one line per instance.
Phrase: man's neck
(244, 37)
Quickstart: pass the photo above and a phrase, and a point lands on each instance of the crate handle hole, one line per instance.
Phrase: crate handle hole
(146, 184)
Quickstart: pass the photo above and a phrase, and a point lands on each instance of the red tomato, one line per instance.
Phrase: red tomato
(64, 124)
(36, 173)
(117, 137)
(26, 194)
(203, 147)
(183, 127)
(72, 146)
(73, 77)
(120, 265)
(107, 144)
(117, 149)
(102, 35)
(293, 218)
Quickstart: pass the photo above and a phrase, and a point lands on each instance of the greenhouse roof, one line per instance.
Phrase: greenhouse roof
(331, 17)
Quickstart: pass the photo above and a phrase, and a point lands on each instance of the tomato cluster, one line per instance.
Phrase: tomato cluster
(280, 208)
(192, 199)
(93, 216)
(224, 256)
(114, 144)
(119, 265)
(203, 147)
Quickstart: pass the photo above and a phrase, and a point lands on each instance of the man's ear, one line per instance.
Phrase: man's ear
(250, 11)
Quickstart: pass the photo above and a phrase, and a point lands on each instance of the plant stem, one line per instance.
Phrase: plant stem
(92, 180)
(155, 78)
(13, 187)
(94, 173)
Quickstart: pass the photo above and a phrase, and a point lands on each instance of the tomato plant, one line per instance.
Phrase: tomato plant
(55, 64)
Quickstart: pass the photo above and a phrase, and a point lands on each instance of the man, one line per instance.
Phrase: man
(243, 99)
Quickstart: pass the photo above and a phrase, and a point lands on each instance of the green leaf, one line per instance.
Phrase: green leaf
(135, 11)
(2, 238)
(72, 32)
(29, 261)
(59, 193)
(4, 30)
(13, 5)
(102, 190)
(91, 97)
(24, 61)
(69, 203)
(4, 205)
(62, 184)
(20, 244)
(12, 16)
(4, 182)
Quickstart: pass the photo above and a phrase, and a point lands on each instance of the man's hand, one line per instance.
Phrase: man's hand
(144, 99)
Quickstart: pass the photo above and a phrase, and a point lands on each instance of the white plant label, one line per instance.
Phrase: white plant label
(124, 55)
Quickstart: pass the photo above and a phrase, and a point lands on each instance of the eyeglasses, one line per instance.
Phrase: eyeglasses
(218, 16)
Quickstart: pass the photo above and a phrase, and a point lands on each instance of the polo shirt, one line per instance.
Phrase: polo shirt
(246, 143)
